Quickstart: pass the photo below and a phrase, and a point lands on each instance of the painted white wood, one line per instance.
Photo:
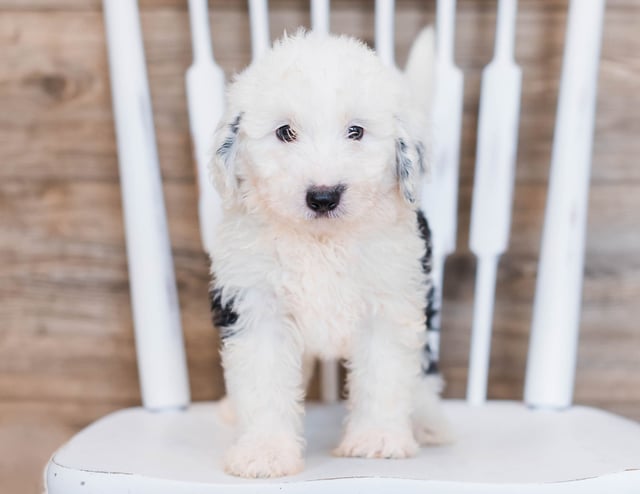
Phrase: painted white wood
(205, 99)
(493, 188)
(159, 342)
(329, 381)
(480, 347)
(621, 483)
(556, 315)
(259, 20)
(440, 191)
(384, 30)
(320, 15)
(501, 447)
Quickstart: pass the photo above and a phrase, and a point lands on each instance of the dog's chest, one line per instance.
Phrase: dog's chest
(322, 290)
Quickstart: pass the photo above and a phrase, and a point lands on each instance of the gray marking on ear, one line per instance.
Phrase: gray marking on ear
(235, 125)
(404, 169)
(226, 148)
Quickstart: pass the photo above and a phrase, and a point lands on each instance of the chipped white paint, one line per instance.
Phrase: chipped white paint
(205, 99)
(259, 20)
(159, 343)
(440, 192)
(493, 188)
(384, 30)
(556, 314)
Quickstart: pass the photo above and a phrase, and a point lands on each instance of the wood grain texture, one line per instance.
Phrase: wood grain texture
(66, 343)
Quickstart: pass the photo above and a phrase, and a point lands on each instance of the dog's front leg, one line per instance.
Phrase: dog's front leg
(381, 376)
(263, 372)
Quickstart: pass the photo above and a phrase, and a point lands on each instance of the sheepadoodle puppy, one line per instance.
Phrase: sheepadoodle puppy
(322, 252)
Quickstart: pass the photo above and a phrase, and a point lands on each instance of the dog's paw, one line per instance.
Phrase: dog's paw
(377, 443)
(275, 456)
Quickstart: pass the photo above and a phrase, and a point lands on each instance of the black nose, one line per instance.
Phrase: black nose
(324, 199)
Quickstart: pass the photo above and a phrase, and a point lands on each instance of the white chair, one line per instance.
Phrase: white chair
(541, 445)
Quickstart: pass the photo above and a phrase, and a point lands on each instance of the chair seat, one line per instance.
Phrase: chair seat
(498, 445)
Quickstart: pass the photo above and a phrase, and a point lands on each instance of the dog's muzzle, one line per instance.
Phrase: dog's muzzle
(322, 199)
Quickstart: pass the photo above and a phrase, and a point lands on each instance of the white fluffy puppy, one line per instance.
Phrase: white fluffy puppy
(321, 252)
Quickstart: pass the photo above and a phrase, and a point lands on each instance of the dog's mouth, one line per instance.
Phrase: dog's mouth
(325, 215)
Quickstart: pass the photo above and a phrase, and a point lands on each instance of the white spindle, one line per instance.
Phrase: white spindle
(556, 315)
(320, 15)
(384, 32)
(259, 19)
(493, 188)
(440, 191)
(329, 381)
(205, 98)
(159, 343)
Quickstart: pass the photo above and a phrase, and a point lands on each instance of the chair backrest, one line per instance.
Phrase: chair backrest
(552, 352)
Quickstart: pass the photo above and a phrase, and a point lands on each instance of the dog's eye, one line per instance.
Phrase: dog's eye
(355, 132)
(286, 133)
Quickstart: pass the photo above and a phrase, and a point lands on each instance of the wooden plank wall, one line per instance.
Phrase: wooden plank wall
(66, 346)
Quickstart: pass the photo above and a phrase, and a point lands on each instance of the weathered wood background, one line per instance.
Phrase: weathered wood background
(66, 344)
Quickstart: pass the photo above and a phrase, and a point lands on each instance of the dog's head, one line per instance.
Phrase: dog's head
(319, 131)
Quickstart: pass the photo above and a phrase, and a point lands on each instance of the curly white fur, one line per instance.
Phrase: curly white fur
(346, 284)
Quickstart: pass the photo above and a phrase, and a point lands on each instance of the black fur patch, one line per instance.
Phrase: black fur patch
(223, 315)
(430, 310)
(430, 360)
(425, 234)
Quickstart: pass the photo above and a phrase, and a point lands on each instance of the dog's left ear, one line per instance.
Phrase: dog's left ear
(223, 165)
(410, 166)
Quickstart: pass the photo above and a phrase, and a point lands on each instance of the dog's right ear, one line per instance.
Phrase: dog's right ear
(223, 165)
(410, 165)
